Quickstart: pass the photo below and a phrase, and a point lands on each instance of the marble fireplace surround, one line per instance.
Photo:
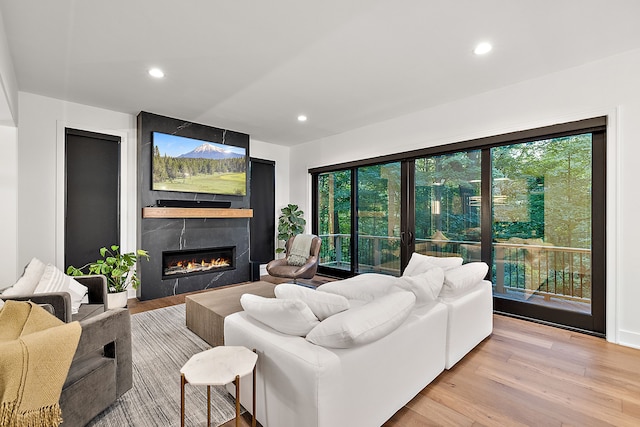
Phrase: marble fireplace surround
(186, 233)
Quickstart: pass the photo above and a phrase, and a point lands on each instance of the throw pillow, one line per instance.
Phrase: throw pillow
(426, 286)
(364, 324)
(289, 316)
(458, 280)
(419, 263)
(54, 280)
(322, 304)
(26, 285)
(364, 287)
(1, 304)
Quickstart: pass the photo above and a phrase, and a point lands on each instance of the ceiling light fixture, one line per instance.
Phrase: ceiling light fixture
(482, 48)
(302, 118)
(156, 72)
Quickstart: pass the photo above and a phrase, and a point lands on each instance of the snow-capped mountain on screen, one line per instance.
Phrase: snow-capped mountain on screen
(210, 151)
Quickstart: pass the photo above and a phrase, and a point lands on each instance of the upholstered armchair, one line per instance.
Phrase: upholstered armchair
(61, 301)
(280, 267)
(102, 369)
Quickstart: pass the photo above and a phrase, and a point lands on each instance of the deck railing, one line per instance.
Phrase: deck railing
(546, 270)
(527, 268)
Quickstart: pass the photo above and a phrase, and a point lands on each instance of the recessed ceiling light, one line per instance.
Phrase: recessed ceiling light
(302, 118)
(482, 48)
(156, 72)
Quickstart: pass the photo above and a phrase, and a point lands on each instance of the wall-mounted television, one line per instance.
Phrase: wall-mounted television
(197, 166)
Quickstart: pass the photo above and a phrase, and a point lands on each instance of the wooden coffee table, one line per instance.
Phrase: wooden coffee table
(206, 311)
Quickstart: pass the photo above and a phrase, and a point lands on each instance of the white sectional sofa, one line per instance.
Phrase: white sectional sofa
(301, 383)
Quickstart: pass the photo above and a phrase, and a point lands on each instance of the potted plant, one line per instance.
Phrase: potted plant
(290, 223)
(119, 270)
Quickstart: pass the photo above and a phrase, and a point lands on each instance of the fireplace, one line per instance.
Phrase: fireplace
(197, 261)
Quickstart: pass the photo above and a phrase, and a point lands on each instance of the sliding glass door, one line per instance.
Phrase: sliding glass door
(447, 205)
(543, 229)
(378, 226)
(334, 220)
(531, 205)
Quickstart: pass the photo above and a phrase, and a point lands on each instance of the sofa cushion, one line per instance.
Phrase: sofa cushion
(1, 304)
(364, 324)
(54, 280)
(426, 286)
(289, 316)
(322, 304)
(458, 280)
(27, 283)
(419, 263)
(364, 287)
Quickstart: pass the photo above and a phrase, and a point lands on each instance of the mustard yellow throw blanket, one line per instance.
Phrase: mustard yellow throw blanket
(36, 350)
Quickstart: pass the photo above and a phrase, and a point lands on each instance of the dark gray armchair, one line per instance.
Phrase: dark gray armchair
(102, 369)
(280, 267)
(61, 301)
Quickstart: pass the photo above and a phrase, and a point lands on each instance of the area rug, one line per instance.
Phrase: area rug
(162, 344)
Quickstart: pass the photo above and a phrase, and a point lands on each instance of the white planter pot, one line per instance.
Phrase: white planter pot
(116, 300)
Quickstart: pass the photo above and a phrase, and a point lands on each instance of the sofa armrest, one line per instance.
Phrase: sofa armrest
(97, 284)
(111, 332)
(60, 301)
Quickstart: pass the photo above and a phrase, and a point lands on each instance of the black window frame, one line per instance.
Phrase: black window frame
(597, 126)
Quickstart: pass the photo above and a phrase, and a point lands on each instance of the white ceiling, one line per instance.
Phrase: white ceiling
(254, 66)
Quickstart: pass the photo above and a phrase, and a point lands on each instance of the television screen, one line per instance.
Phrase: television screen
(197, 166)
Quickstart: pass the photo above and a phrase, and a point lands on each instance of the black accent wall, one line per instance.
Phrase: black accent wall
(156, 235)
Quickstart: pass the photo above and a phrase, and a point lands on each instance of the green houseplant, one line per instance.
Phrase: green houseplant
(116, 266)
(290, 223)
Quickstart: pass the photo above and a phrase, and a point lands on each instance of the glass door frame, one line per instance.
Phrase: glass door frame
(593, 323)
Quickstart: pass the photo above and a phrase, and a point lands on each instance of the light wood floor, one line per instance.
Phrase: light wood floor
(524, 374)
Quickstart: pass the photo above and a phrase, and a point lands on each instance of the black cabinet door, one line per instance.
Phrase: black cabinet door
(263, 205)
(92, 195)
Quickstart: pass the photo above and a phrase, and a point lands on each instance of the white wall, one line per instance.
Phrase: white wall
(607, 87)
(8, 213)
(8, 82)
(41, 172)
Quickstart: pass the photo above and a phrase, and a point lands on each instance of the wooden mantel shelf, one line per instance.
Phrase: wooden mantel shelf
(152, 212)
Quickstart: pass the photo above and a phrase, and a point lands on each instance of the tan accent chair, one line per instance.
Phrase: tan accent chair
(280, 267)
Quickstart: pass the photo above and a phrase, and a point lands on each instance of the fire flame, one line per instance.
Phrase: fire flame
(189, 266)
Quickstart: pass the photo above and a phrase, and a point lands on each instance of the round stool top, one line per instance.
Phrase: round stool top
(219, 365)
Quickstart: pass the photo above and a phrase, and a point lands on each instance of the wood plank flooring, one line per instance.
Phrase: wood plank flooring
(524, 374)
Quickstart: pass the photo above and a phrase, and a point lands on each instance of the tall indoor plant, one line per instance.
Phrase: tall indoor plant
(290, 223)
(117, 267)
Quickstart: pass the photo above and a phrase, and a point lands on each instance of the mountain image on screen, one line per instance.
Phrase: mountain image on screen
(191, 165)
(210, 151)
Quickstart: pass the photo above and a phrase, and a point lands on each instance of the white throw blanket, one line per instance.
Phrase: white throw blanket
(299, 250)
